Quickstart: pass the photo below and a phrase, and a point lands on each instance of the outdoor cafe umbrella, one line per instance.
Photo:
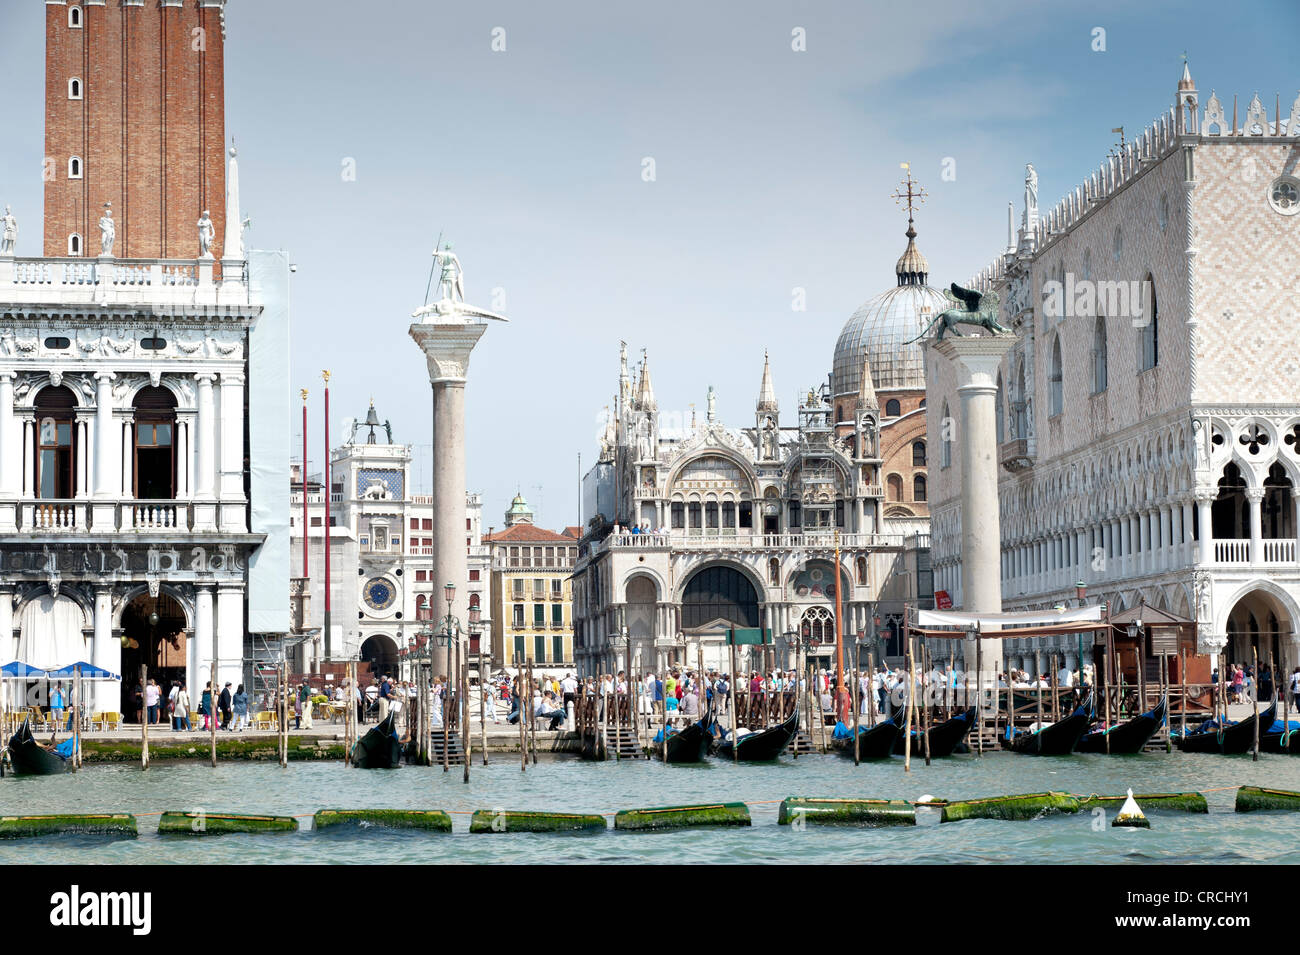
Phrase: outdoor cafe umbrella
(17, 670)
(87, 671)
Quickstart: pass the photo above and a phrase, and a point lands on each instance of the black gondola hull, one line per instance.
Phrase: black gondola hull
(1128, 737)
(1234, 740)
(691, 745)
(379, 748)
(763, 746)
(944, 738)
(28, 758)
(875, 742)
(1058, 739)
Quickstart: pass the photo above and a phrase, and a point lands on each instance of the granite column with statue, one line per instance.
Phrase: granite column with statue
(976, 361)
(447, 331)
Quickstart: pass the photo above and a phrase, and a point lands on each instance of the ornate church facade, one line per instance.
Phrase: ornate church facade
(1149, 415)
(696, 529)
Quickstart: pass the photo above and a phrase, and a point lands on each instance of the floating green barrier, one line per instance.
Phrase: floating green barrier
(220, 823)
(682, 817)
(1253, 798)
(501, 820)
(432, 820)
(99, 824)
(878, 812)
(1027, 806)
(1172, 802)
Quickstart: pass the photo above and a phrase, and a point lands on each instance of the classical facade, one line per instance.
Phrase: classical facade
(132, 530)
(532, 595)
(383, 591)
(1149, 415)
(700, 528)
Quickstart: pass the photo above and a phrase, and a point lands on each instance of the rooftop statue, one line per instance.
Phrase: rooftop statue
(977, 309)
(10, 236)
(107, 231)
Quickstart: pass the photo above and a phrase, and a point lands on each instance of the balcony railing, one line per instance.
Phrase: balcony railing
(78, 516)
(1232, 551)
(748, 541)
(60, 280)
(1280, 551)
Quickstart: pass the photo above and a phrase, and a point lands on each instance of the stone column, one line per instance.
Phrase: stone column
(1205, 526)
(204, 490)
(108, 486)
(1295, 518)
(106, 653)
(7, 644)
(11, 459)
(976, 362)
(1255, 495)
(1144, 541)
(230, 635)
(200, 647)
(233, 515)
(447, 336)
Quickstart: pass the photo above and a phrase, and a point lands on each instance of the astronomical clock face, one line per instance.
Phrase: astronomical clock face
(379, 593)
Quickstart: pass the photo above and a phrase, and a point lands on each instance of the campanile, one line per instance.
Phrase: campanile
(135, 117)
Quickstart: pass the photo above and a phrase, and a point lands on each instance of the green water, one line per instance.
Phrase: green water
(573, 786)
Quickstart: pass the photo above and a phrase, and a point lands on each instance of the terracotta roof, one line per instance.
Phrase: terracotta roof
(573, 531)
(527, 533)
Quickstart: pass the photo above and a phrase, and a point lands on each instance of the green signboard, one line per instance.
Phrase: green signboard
(742, 636)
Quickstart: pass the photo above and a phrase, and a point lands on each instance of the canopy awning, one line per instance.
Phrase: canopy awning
(19, 670)
(1038, 631)
(985, 622)
(87, 671)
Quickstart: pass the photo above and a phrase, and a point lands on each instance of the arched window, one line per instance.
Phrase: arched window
(155, 441)
(74, 244)
(1230, 512)
(861, 566)
(74, 88)
(894, 487)
(74, 167)
(74, 18)
(56, 446)
(945, 432)
(892, 408)
(1149, 331)
(1020, 405)
(1099, 355)
(422, 608)
(918, 488)
(1055, 383)
(918, 454)
(774, 572)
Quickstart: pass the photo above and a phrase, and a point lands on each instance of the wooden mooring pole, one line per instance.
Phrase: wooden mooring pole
(144, 723)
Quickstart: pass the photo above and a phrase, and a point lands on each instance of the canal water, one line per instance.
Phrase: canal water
(570, 785)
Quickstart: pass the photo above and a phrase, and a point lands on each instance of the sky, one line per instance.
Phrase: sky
(666, 174)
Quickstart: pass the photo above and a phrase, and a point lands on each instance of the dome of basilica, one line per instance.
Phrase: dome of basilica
(885, 328)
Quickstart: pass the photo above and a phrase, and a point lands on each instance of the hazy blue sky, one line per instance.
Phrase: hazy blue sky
(774, 171)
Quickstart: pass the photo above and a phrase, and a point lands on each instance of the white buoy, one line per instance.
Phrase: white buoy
(1130, 815)
(926, 814)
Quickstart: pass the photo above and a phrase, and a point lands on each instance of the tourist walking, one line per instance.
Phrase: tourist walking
(205, 704)
(240, 706)
(182, 709)
(57, 703)
(152, 694)
(172, 694)
(223, 706)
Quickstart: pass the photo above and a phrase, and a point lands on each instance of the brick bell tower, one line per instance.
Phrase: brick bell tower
(135, 117)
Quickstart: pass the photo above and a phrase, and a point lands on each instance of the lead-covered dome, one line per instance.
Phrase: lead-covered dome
(885, 328)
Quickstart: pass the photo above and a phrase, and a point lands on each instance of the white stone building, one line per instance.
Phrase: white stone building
(382, 590)
(1149, 416)
(738, 525)
(133, 394)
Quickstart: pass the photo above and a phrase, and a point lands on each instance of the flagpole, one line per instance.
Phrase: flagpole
(328, 644)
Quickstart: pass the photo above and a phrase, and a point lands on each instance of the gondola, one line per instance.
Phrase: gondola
(1282, 740)
(1234, 738)
(874, 742)
(1055, 739)
(944, 738)
(764, 745)
(1127, 737)
(688, 745)
(379, 748)
(29, 758)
